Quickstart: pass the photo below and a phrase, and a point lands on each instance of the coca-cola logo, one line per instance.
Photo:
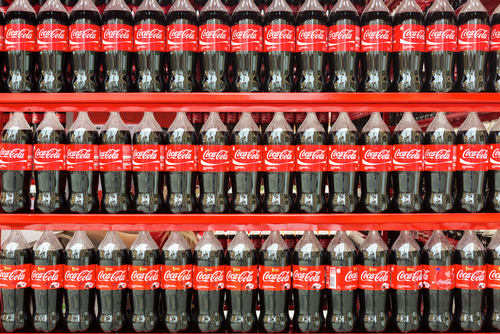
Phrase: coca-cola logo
(79, 154)
(56, 33)
(245, 276)
(20, 34)
(16, 153)
(221, 155)
(152, 275)
(494, 275)
(245, 34)
(377, 277)
(148, 154)
(53, 153)
(380, 155)
(481, 154)
(412, 154)
(349, 154)
(281, 277)
(115, 276)
(14, 275)
(181, 276)
(351, 276)
(45, 276)
(154, 33)
(443, 34)
(408, 276)
(316, 34)
(183, 154)
(381, 34)
(344, 34)
(84, 34)
(495, 154)
(312, 155)
(280, 34)
(253, 154)
(81, 276)
(110, 154)
(208, 277)
(441, 154)
(182, 34)
(495, 34)
(308, 276)
(474, 34)
(280, 155)
(214, 34)
(414, 34)
(472, 276)
(117, 34)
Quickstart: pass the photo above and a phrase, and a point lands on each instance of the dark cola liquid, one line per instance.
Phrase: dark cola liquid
(85, 65)
(16, 183)
(246, 185)
(20, 65)
(440, 65)
(471, 64)
(52, 64)
(494, 61)
(375, 65)
(407, 64)
(494, 177)
(2, 55)
(117, 65)
(493, 295)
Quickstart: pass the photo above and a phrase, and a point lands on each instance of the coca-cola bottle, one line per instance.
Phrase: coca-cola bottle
(472, 164)
(376, 47)
(493, 283)
(308, 285)
(246, 166)
(376, 163)
(79, 283)
(47, 283)
(279, 47)
(16, 257)
(148, 165)
(213, 166)
(52, 46)
(279, 166)
(470, 282)
(85, 47)
(439, 283)
(176, 283)
(20, 47)
(473, 47)
(341, 265)
(440, 47)
(494, 56)
(373, 283)
(208, 283)
(181, 165)
(494, 167)
(344, 46)
(311, 166)
(274, 285)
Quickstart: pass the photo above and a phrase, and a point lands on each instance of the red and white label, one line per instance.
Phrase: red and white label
(117, 37)
(470, 277)
(408, 158)
(79, 277)
(341, 278)
(84, 37)
(474, 37)
(15, 277)
(311, 37)
(441, 37)
(279, 37)
(439, 158)
(275, 278)
(374, 278)
(214, 158)
(82, 157)
(472, 157)
(246, 158)
(20, 37)
(406, 277)
(52, 37)
(148, 158)
(344, 37)
(182, 37)
(181, 158)
(16, 157)
(495, 37)
(438, 277)
(311, 158)
(376, 158)
(149, 37)
(343, 158)
(2, 39)
(493, 276)
(144, 277)
(494, 154)
(50, 157)
(111, 277)
(209, 278)
(376, 37)
(115, 158)
(47, 277)
(215, 37)
(409, 37)
(279, 158)
(246, 37)
(308, 277)
(176, 277)
(241, 278)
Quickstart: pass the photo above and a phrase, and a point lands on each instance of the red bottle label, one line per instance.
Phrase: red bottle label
(176, 277)
(149, 37)
(409, 37)
(47, 277)
(470, 277)
(376, 37)
(493, 276)
(441, 37)
(16, 157)
(144, 277)
(406, 277)
(495, 37)
(308, 277)
(182, 37)
(82, 157)
(117, 37)
(438, 277)
(439, 158)
(241, 278)
(494, 162)
(148, 158)
(84, 37)
(15, 277)
(214, 158)
(112, 277)
(474, 37)
(79, 277)
(374, 278)
(376, 158)
(279, 158)
(472, 157)
(274, 278)
(214, 37)
(344, 37)
(311, 37)
(2, 39)
(311, 158)
(246, 158)
(408, 158)
(209, 278)
(50, 157)
(246, 37)
(341, 278)
(279, 37)
(52, 37)
(343, 158)
(181, 158)
(115, 158)
(20, 37)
